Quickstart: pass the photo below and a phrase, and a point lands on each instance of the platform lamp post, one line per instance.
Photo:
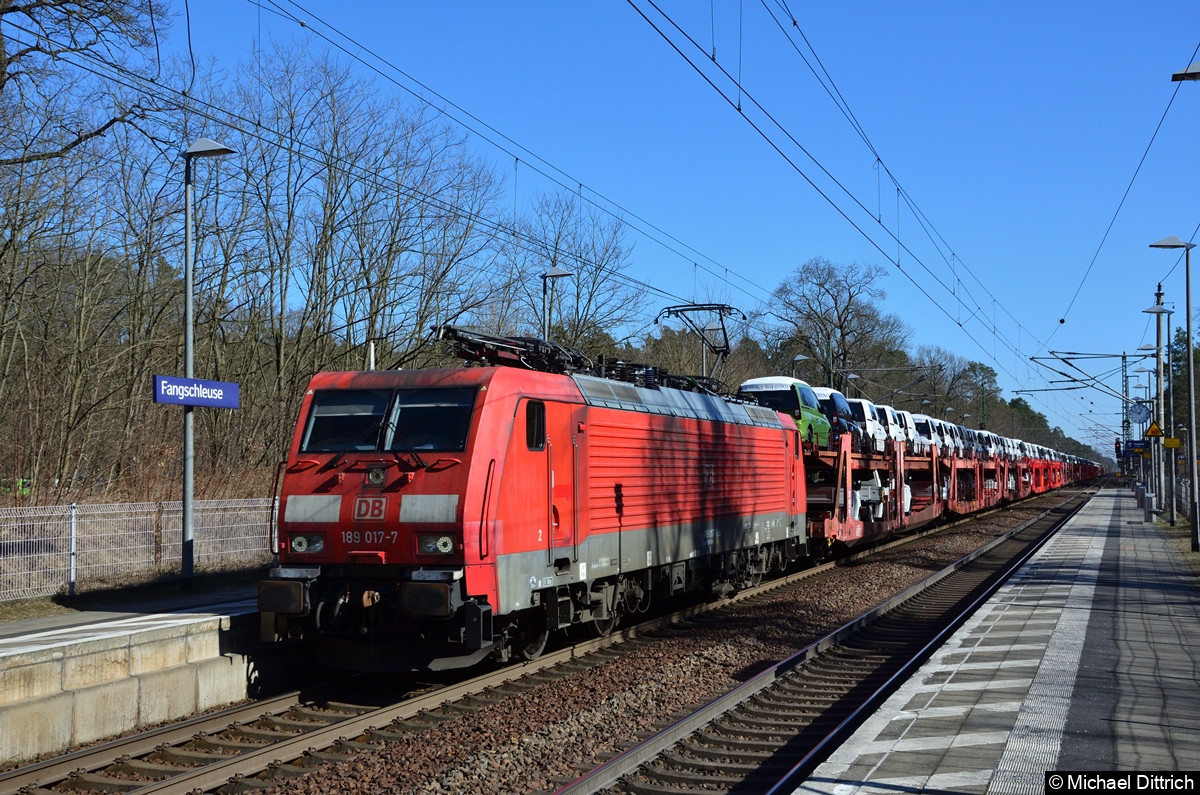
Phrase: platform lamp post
(799, 357)
(1156, 415)
(1170, 389)
(1175, 242)
(555, 272)
(1160, 415)
(1147, 472)
(202, 147)
(1152, 401)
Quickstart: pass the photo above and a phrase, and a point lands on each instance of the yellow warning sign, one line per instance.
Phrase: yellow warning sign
(1170, 441)
(1153, 430)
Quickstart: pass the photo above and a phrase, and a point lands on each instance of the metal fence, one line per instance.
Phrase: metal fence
(71, 548)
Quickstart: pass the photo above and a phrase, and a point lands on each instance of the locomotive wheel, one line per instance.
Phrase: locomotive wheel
(756, 564)
(531, 638)
(603, 627)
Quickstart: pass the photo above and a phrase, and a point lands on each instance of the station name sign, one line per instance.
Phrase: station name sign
(196, 392)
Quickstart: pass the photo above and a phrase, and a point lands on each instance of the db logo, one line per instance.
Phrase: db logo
(370, 509)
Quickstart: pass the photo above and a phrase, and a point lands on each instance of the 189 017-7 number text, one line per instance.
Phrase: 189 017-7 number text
(370, 536)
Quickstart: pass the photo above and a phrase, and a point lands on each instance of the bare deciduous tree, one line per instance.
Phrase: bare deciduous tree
(597, 298)
(41, 88)
(833, 317)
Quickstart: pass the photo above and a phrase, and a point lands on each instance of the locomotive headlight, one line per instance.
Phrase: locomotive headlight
(310, 544)
(435, 544)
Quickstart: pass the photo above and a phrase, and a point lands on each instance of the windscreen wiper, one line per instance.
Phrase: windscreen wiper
(373, 428)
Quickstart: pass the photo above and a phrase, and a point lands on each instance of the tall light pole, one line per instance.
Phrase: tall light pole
(1171, 420)
(1158, 310)
(555, 272)
(799, 357)
(1175, 242)
(1148, 404)
(1153, 399)
(203, 147)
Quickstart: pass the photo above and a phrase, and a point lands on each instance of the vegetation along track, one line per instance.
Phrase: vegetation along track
(268, 742)
(768, 734)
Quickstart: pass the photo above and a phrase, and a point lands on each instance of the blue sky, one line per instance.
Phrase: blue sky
(1013, 129)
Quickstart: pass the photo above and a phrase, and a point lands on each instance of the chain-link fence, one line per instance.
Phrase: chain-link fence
(73, 548)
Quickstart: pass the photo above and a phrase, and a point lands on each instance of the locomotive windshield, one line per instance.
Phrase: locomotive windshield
(389, 420)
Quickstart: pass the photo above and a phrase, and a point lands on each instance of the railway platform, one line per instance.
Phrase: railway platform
(1088, 660)
(73, 678)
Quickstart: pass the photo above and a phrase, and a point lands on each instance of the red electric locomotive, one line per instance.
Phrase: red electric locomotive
(431, 518)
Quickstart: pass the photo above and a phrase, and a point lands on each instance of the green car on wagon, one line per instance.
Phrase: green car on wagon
(794, 398)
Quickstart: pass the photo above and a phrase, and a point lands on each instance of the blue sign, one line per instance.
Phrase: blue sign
(196, 392)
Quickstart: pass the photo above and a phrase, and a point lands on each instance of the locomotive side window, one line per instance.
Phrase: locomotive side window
(535, 425)
(345, 420)
(431, 418)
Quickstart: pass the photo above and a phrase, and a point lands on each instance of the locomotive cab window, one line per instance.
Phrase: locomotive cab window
(345, 420)
(433, 418)
(535, 425)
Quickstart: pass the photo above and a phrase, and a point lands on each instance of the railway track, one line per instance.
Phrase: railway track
(768, 734)
(248, 747)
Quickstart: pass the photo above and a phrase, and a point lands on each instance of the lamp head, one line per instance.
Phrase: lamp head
(206, 147)
(1191, 73)
(1173, 241)
(556, 272)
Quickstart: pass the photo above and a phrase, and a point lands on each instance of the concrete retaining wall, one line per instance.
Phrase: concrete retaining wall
(60, 694)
